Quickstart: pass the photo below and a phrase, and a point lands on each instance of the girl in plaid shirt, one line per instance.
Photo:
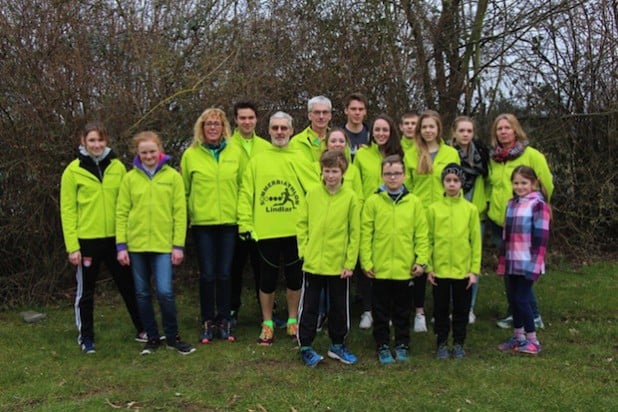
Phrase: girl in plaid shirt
(522, 258)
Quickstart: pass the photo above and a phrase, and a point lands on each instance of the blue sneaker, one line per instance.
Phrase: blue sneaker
(510, 344)
(208, 332)
(310, 357)
(442, 352)
(87, 346)
(458, 351)
(402, 353)
(342, 354)
(529, 347)
(385, 356)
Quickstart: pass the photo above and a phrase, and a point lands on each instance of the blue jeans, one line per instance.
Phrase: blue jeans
(496, 237)
(215, 251)
(159, 266)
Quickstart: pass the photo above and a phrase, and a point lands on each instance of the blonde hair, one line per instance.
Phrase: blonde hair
(425, 164)
(198, 128)
(146, 136)
(520, 135)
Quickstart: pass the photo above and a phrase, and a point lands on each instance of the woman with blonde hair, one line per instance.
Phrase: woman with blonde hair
(212, 171)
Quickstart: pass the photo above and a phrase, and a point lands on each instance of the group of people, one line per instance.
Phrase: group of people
(322, 207)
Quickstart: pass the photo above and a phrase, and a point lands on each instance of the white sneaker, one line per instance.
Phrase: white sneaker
(419, 323)
(366, 320)
(471, 318)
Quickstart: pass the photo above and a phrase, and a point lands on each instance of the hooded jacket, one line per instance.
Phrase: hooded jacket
(88, 192)
(393, 235)
(328, 230)
(454, 238)
(151, 214)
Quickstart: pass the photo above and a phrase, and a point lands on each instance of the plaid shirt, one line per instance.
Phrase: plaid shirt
(525, 236)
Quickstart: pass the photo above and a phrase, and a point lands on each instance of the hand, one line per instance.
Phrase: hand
(346, 273)
(431, 278)
(369, 273)
(472, 279)
(123, 258)
(75, 258)
(177, 256)
(417, 270)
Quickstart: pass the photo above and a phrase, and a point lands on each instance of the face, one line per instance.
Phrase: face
(94, 143)
(381, 131)
(336, 141)
(148, 153)
(464, 133)
(505, 133)
(452, 185)
(407, 127)
(355, 112)
(320, 116)
(522, 186)
(429, 130)
(213, 130)
(393, 176)
(332, 177)
(280, 132)
(246, 121)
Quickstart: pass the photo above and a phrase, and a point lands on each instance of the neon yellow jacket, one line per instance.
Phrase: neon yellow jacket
(212, 186)
(328, 231)
(304, 143)
(368, 161)
(87, 205)
(454, 238)
(273, 185)
(428, 187)
(259, 144)
(393, 235)
(501, 188)
(407, 144)
(151, 214)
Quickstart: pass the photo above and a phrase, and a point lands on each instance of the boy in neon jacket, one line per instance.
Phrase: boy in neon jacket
(151, 224)
(455, 242)
(394, 248)
(328, 234)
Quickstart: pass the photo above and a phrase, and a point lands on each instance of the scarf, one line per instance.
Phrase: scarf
(473, 163)
(504, 154)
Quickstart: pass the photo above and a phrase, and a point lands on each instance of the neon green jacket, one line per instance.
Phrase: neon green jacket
(87, 205)
(393, 235)
(304, 143)
(151, 214)
(259, 144)
(501, 188)
(428, 187)
(212, 186)
(368, 161)
(328, 231)
(454, 238)
(273, 185)
(407, 144)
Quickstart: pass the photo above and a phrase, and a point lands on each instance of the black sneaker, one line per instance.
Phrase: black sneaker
(225, 331)
(150, 347)
(182, 347)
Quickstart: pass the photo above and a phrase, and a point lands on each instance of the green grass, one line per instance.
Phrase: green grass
(43, 369)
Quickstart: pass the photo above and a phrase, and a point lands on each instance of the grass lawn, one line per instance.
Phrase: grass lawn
(43, 369)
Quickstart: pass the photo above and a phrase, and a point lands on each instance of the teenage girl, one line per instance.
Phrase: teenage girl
(424, 164)
(522, 257)
(151, 224)
(474, 158)
(88, 192)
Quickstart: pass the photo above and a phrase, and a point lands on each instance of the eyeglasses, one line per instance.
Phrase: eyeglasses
(321, 112)
(212, 124)
(277, 127)
(392, 174)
